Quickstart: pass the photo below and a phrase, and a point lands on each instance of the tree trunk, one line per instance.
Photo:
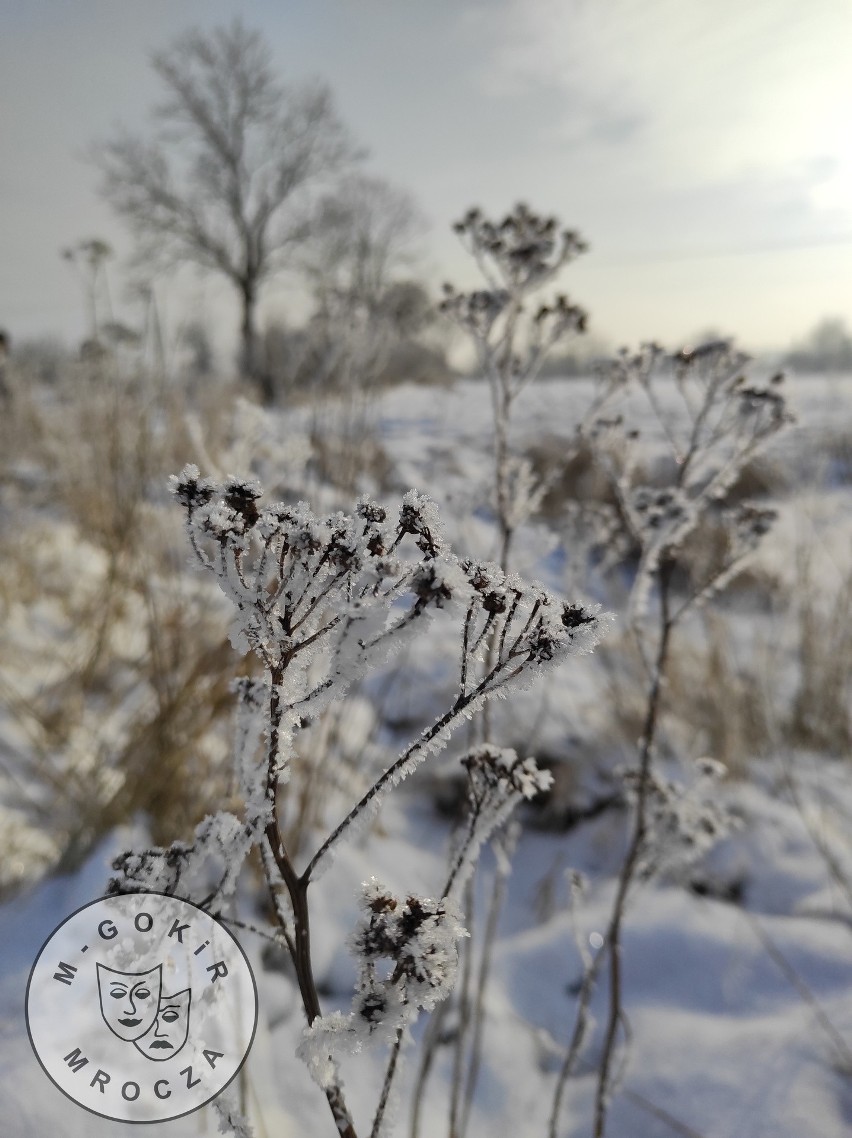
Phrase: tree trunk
(249, 363)
(252, 366)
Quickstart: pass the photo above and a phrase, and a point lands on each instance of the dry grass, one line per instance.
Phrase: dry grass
(733, 698)
(570, 472)
(114, 660)
(724, 702)
(820, 716)
(715, 703)
(349, 459)
(114, 666)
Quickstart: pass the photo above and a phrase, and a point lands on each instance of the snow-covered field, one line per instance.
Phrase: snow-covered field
(738, 973)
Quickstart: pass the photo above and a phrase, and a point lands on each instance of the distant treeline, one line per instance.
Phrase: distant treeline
(828, 348)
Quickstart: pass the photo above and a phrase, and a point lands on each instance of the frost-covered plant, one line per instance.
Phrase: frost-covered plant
(513, 330)
(412, 941)
(416, 937)
(719, 423)
(712, 420)
(497, 780)
(320, 602)
(517, 257)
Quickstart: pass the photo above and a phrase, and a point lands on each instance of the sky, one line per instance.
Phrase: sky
(702, 147)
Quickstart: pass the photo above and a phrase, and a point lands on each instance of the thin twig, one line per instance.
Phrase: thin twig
(390, 1072)
(498, 897)
(632, 859)
(578, 1036)
(431, 1041)
(464, 1008)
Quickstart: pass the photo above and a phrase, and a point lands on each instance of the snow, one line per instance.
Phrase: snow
(723, 1039)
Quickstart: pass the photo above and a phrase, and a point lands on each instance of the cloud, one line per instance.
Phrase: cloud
(677, 94)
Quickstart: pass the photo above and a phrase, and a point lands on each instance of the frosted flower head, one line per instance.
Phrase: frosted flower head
(342, 546)
(374, 533)
(153, 870)
(221, 521)
(475, 311)
(439, 580)
(561, 318)
(684, 822)
(419, 516)
(379, 1009)
(241, 495)
(430, 587)
(751, 523)
(524, 248)
(488, 581)
(417, 936)
(658, 509)
(498, 772)
(710, 768)
(575, 616)
(310, 538)
(250, 691)
(550, 634)
(190, 489)
(765, 404)
(370, 511)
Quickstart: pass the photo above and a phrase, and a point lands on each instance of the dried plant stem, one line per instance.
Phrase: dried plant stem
(299, 942)
(632, 858)
(495, 907)
(300, 950)
(393, 771)
(502, 406)
(501, 403)
(390, 1073)
(431, 1041)
(578, 1036)
(464, 1008)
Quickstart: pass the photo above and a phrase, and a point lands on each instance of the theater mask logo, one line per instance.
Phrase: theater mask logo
(141, 1007)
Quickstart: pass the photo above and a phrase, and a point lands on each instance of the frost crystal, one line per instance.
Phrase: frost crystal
(320, 1040)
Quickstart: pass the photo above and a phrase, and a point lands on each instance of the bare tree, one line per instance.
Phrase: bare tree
(828, 347)
(357, 262)
(221, 180)
(363, 237)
